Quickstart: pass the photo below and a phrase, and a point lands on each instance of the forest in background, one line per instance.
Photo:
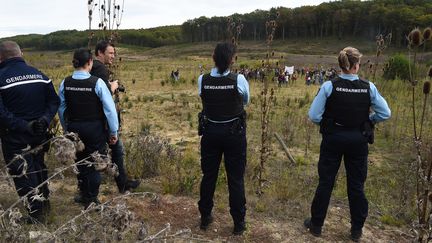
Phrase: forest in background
(339, 19)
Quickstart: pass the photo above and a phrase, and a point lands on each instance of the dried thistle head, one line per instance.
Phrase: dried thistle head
(415, 38)
(427, 34)
(100, 161)
(113, 170)
(64, 149)
(430, 72)
(15, 217)
(426, 87)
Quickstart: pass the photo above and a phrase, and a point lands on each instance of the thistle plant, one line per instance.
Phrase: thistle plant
(382, 42)
(234, 30)
(266, 101)
(423, 163)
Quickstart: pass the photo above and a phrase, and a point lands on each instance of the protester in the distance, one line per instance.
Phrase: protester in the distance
(28, 103)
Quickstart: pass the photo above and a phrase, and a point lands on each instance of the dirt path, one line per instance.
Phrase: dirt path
(182, 212)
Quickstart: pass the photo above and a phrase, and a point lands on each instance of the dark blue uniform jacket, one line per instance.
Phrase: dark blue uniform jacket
(25, 94)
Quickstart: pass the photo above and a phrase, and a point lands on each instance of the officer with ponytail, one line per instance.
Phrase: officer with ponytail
(346, 109)
(87, 108)
(223, 129)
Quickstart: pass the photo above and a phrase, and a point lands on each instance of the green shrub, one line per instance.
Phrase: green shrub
(396, 67)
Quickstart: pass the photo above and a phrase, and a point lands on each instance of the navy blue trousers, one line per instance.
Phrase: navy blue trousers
(216, 141)
(36, 169)
(94, 136)
(117, 156)
(353, 147)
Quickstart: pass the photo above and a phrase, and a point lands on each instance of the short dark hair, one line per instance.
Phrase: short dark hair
(9, 49)
(81, 57)
(223, 55)
(101, 46)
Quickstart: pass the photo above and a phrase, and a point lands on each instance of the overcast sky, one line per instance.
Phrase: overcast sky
(45, 16)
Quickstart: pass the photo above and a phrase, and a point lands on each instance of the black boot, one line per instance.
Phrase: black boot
(79, 197)
(239, 228)
(205, 222)
(130, 184)
(36, 217)
(314, 230)
(88, 201)
(356, 234)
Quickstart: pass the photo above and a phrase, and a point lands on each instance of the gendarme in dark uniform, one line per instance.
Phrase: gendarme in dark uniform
(342, 109)
(28, 103)
(87, 109)
(223, 128)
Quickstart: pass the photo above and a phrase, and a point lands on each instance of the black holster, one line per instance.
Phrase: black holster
(327, 126)
(368, 130)
(239, 125)
(202, 122)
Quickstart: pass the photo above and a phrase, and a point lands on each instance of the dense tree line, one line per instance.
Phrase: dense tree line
(346, 18)
(71, 39)
(338, 19)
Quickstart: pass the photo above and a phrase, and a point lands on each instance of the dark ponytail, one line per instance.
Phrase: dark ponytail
(223, 55)
(81, 57)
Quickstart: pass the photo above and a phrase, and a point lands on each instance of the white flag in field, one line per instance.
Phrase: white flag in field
(289, 70)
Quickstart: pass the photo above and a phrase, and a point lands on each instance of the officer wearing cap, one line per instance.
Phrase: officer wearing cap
(87, 108)
(223, 129)
(28, 103)
(346, 109)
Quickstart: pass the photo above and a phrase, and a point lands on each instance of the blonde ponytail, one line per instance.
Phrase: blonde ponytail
(349, 57)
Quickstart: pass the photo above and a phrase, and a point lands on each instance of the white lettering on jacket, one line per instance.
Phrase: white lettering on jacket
(218, 86)
(346, 90)
(78, 89)
(24, 77)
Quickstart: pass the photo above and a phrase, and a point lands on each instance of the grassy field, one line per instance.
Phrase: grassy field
(165, 111)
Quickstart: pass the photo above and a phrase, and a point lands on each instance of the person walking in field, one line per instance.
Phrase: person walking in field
(87, 108)
(105, 53)
(342, 109)
(223, 129)
(28, 103)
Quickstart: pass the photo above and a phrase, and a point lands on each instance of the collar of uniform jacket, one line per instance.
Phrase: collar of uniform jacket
(214, 73)
(80, 74)
(11, 60)
(350, 77)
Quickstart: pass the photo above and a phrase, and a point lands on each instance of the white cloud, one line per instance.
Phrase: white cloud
(37, 16)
